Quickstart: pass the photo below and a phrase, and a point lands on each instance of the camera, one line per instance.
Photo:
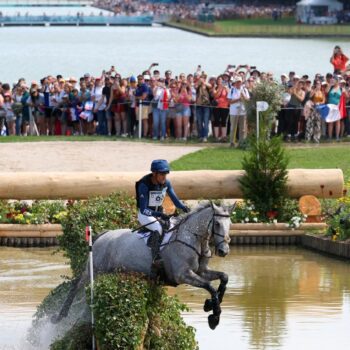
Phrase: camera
(252, 67)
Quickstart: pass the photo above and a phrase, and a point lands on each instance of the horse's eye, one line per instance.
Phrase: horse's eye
(217, 224)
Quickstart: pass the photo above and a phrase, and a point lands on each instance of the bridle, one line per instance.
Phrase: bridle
(212, 234)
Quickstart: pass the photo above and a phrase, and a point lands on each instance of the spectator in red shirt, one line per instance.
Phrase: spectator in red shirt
(339, 60)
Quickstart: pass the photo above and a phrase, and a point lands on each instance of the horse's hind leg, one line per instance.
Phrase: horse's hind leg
(76, 284)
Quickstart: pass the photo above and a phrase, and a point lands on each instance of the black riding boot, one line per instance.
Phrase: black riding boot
(154, 243)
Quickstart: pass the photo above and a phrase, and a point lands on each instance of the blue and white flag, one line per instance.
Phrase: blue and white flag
(329, 112)
(3, 131)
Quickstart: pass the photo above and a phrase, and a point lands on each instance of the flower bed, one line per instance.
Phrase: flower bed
(290, 215)
(337, 215)
(36, 212)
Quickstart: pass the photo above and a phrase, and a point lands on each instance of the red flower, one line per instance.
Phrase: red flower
(9, 216)
(272, 214)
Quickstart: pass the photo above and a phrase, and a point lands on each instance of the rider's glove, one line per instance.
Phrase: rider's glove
(165, 217)
(186, 209)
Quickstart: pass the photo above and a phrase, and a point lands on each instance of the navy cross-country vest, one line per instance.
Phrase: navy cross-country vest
(156, 193)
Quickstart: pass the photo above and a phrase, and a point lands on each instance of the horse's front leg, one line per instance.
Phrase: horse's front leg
(189, 277)
(212, 275)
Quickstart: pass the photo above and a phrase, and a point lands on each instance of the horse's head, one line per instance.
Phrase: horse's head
(220, 229)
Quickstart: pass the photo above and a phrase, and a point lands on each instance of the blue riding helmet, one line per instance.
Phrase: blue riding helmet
(160, 166)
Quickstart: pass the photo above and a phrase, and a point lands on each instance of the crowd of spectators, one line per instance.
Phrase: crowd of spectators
(182, 106)
(190, 10)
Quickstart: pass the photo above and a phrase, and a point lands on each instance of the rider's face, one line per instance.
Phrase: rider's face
(160, 178)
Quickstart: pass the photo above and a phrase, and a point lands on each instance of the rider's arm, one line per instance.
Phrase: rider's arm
(173, 197)
(143, 201)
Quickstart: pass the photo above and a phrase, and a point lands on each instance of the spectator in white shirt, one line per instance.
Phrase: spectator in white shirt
(237, 96)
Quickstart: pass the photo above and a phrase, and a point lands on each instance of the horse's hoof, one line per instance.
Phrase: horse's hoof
(213, 321)
(208, 305)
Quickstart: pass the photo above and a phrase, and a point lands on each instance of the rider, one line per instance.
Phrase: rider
(150, 194)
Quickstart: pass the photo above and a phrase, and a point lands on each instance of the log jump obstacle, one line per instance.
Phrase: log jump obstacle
(200, 184)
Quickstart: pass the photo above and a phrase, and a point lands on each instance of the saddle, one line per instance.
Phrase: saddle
(146, 234)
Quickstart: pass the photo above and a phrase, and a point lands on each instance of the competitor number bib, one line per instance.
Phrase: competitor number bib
(156, 198)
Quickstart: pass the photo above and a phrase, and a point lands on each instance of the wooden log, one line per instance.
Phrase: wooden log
(277, 226)
(200, 184)
(33, 231)
(264, 233)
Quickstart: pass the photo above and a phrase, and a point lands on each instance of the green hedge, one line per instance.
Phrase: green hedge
(101, 213)
(131, 313)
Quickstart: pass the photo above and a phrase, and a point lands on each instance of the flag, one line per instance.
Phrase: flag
(329, 112)
(87, 233)
(342, 105)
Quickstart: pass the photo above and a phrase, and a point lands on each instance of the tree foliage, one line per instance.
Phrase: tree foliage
(265, 182)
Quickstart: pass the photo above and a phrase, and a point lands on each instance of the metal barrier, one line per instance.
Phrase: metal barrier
(140, 104)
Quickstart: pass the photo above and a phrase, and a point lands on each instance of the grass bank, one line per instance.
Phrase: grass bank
(230, 159)
(261, 27)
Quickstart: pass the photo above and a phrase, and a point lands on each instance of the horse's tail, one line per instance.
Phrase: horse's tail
(76, 285)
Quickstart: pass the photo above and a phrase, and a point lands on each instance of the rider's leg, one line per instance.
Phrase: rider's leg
(154, 225)
(156, 236)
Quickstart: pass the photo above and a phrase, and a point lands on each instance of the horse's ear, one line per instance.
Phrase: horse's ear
(214, 206)
(231, 208)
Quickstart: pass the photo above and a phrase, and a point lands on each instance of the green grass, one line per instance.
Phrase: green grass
(262, 27)
(230, 159)
(256, 21)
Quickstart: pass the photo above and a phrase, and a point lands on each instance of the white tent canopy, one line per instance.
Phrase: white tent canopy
(309, 10)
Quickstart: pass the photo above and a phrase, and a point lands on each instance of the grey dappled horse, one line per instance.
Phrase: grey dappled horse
(185, 257)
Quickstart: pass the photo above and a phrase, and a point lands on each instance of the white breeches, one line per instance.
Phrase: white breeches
(144, 219)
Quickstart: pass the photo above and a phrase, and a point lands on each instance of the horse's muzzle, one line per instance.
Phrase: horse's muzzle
(222, 250)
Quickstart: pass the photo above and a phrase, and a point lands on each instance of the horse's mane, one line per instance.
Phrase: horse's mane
(183, 217)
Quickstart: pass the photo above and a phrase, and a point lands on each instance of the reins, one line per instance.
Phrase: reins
(213, 233)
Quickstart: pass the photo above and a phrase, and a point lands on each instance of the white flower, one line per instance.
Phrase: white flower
(242, 221)
(246, 219)
(274, 221)
(234, 213)
(297, 225)
(250, 208)
(255, 219)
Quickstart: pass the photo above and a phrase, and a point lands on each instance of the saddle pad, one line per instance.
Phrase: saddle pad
(145, 235)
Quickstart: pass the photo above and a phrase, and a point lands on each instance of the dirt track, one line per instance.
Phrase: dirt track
(85, 156)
